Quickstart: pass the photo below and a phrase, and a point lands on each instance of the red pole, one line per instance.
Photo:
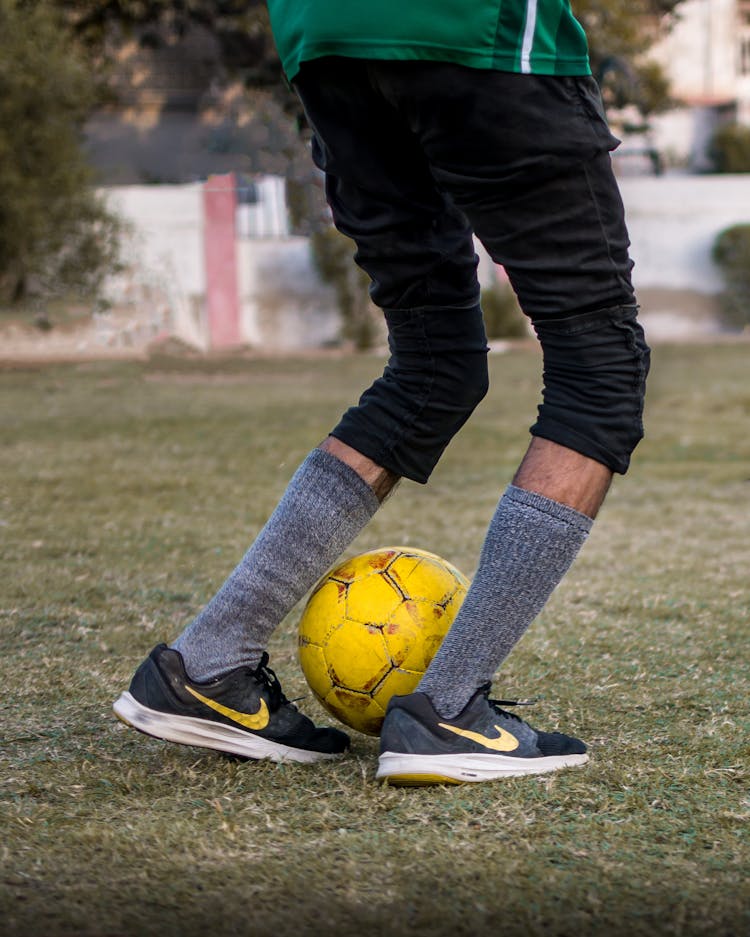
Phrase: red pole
(220, 252)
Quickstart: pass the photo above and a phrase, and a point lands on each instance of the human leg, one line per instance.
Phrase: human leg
(418, 251)
(325, 505)
(436, 373)
(213, 688)
(531, 545)
(435, 376)
(449, 730)
(550, 212)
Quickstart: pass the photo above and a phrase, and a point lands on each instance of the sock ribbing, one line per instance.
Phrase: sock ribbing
(324, 507)
(530, 545)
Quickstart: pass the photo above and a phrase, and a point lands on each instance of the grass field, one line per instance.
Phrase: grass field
(128, 492)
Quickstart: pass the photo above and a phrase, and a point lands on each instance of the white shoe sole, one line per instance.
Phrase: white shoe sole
(221, 738)
(418, 770)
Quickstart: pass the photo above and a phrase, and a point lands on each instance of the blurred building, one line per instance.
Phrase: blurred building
(175, 116)
(706, 56)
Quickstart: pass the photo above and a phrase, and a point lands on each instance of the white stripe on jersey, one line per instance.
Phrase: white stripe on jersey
(528, 36)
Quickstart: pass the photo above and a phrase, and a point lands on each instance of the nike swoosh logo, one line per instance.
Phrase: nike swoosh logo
(505, 742)
(255, 721)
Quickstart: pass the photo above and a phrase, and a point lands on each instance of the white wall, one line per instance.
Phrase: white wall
(283, 304)
(698, 54)
(673, 222)
(164, 255)
(268, 216)
(701, 57)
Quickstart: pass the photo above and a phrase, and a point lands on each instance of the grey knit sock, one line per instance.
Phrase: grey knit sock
(530, 544)
(322, 510)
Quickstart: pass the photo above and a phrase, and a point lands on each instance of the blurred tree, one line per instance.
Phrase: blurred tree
(620, 33)
(731, 251)
(332, 255)
(56, 235)
(241, 27)
(118, 36)
(502, 313)
(730, 148)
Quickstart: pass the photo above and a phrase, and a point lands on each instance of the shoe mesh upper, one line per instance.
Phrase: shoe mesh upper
(412, 725)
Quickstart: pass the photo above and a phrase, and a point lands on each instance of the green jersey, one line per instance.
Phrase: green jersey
(541, 37)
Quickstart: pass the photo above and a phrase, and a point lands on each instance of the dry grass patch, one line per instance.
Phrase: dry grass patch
(128, 491)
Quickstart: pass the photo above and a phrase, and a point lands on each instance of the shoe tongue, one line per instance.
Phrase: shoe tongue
(270, 681)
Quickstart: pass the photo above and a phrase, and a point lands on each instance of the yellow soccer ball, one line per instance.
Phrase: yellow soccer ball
(371, 627)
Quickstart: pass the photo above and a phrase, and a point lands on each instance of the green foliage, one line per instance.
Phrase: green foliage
(306, 201)
(618, 30)
(620, 33)
(56, 235)
(730, 148)
(332, 255)
(622, 28)
(652, 89)
(502, 314)
(731, 251)
(241, 27)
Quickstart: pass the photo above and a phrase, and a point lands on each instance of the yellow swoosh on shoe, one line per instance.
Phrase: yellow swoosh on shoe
(255, 721)
(504, 742)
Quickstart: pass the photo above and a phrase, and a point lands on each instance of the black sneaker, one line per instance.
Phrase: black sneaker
(482, 743)
(242, 713)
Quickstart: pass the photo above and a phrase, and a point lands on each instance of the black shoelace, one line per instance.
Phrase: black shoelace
(269, 679)
(498, 704)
